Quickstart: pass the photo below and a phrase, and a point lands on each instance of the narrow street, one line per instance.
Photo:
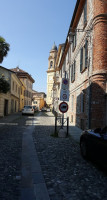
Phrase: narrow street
(66, 174)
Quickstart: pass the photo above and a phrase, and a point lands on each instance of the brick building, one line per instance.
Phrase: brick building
(84, 63)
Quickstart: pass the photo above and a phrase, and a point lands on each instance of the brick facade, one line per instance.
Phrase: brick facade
(88, 89)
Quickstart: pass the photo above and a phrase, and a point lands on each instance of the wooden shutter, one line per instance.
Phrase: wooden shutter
(86, 53)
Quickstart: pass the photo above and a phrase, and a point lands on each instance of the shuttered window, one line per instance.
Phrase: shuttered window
(74, 41)
(73, 71)
(86, 53)
(84, 57)
(72, 103)
(85, 13)
(81, 59)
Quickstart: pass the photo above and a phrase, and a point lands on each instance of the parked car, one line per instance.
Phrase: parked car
(28, 110)
(93, 144)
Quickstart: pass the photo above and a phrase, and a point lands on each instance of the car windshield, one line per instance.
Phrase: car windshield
(28, 107)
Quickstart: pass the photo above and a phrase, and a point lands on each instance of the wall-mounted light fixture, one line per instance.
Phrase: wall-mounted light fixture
(72, 33)
(71, 37)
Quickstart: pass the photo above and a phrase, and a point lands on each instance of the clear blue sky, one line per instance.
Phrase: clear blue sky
(31, 27)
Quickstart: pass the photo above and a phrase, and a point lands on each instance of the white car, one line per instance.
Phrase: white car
(28, 110)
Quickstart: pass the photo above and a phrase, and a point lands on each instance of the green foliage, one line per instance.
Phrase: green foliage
(4, 48)
(4, 86)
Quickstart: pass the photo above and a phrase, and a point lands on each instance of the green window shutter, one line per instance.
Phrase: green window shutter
(81, 59)
(86, 53)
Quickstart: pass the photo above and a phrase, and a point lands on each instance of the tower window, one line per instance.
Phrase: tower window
(51, 64)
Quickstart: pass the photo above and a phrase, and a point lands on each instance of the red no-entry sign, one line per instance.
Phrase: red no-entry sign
(63, 107)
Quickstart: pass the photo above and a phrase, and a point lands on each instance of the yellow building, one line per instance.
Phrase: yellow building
(28, 83)
(22, 98)
(9, 102)
(38, 99)
(15, 93)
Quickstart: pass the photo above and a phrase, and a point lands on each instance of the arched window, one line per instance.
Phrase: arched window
(51, 64)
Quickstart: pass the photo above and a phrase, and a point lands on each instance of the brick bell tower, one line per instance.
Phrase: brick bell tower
(99, 77)
(50, 74)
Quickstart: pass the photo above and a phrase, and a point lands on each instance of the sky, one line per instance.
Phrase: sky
(31, 27)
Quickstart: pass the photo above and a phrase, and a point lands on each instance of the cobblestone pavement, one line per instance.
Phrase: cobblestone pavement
(67, 175)
(10, 162)
(10, 156)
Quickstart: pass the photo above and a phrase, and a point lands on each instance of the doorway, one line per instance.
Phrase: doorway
(5, 107)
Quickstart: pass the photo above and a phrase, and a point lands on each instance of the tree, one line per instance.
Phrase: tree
(4, 48)
(4, 86)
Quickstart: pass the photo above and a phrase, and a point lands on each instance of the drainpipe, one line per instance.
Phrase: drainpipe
(89, 108)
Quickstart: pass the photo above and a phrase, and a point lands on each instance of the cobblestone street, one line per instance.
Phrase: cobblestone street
(67, 175)
(10, 161)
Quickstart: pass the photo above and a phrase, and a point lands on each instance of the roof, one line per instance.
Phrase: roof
(33, 91)
(7, 69)
(74, 21)
(54, 47)
(11, 72)
(22, 74)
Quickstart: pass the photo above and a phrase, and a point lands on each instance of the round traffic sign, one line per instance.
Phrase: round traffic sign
(63, 107)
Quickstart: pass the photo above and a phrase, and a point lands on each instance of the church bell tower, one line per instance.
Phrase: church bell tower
(51, 74)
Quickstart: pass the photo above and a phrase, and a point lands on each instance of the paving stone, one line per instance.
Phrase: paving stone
(41, 191)
(67, 175)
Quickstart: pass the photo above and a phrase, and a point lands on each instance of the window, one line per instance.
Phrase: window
(13, 85)
(51, 64)
(73, 71)
(74, 41)
(16, 88)
(35, 102)
(84, 57)
(72, 103)
(69, 54)
(85, 13)
(72, 118)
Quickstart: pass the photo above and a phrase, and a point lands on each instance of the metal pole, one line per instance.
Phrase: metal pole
(67, 126)
(55, 124)
(62, 119)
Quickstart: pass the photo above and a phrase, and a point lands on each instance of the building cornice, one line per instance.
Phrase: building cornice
(53, 70)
